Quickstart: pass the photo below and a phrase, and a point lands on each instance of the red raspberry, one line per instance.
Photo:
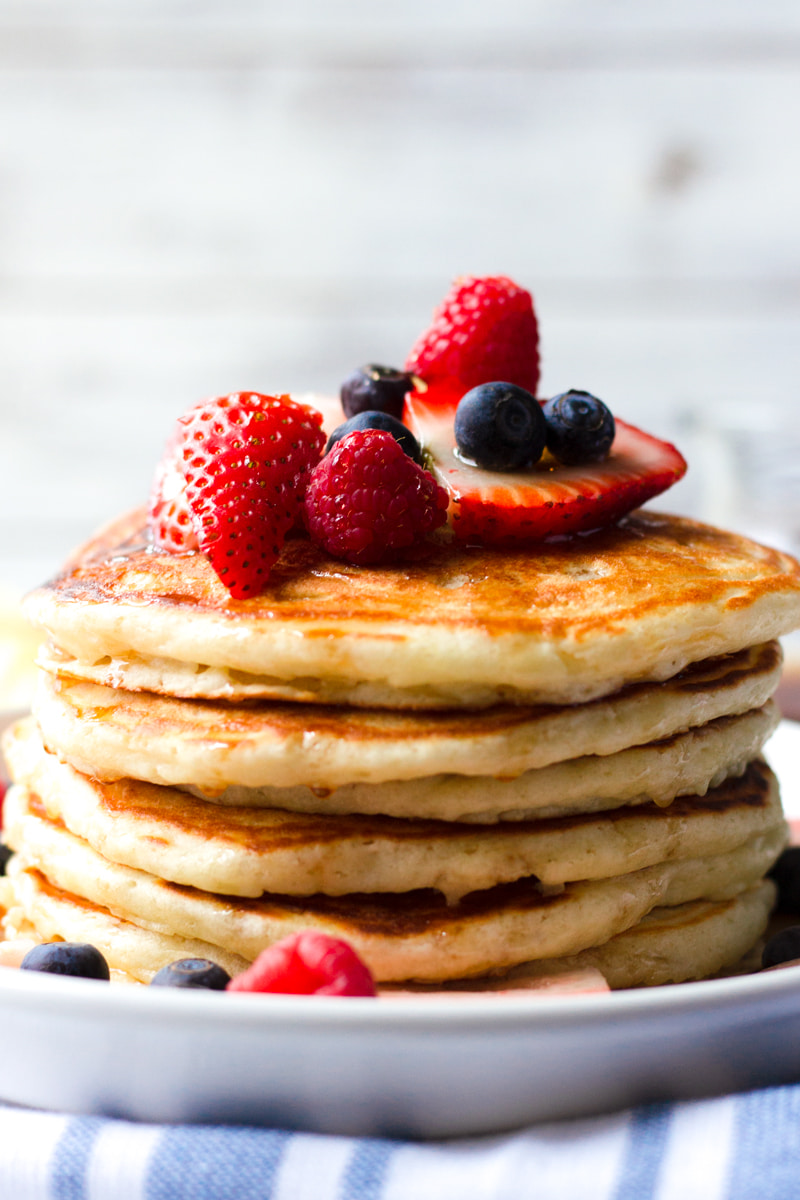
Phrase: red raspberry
(483, 331)
(368, 499)
(307, 964)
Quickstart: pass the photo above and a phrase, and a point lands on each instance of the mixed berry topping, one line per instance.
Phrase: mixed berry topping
(478, 449)
(580, 428)
(67, 958)
(372, 419)
(307, 964)
(375, 389)
(367, 500)
(500, 426)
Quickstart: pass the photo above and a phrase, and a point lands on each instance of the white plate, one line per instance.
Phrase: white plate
(411, 1068)
(404, 1068)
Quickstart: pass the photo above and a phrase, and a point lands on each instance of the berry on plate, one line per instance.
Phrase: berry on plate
(548, 499)
(192, 973)
(244, 462)
(367, 500)
(500, 426)
(484, 329)
(67, 958)
(374, 388)
(307, 964)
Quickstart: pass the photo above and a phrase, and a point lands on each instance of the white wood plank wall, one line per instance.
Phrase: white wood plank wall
(197, 197)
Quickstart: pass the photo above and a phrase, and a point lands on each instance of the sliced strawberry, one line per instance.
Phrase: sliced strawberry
(484, 329)
(548, 499)
(243, 462)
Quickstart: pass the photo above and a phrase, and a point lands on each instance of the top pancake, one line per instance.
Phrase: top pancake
(460, 626)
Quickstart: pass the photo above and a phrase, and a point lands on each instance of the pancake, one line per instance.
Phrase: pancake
(688, 941)
(684, 764)
(687, 764)
(461, 626)
(140, 923)
(248, 852)
(669, 945)
(49, 915)
(112, 733)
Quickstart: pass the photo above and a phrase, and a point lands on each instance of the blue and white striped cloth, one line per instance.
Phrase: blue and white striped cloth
(744, 1147)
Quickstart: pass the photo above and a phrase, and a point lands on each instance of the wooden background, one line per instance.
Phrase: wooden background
(197, 197)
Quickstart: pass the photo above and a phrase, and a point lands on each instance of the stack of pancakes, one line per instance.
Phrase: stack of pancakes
(481, 762)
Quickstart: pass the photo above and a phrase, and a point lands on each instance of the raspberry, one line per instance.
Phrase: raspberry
(367, 499)
(484, 331)
(307, 964)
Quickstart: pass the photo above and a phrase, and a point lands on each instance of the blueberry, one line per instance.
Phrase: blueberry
(580, 428)
(66, 958)
(782, 947)
(786, 873)
(500, 427)
(192, 973)
(379, 420)
(375, 389)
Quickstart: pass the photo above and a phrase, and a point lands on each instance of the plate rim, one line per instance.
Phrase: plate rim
(414, 1012)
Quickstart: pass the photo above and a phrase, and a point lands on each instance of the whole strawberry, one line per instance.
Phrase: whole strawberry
(367, 500)
(245, 461)
(483, 331)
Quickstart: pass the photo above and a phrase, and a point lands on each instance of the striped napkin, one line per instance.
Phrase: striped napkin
(744, 1147)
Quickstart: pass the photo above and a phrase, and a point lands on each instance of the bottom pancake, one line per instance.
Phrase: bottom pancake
(65, 889)
(690, 941)
(670, 944)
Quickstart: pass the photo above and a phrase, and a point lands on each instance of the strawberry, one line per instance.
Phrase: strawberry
(169, 517)
(244, 461)
(546, 499)
(484, 329)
